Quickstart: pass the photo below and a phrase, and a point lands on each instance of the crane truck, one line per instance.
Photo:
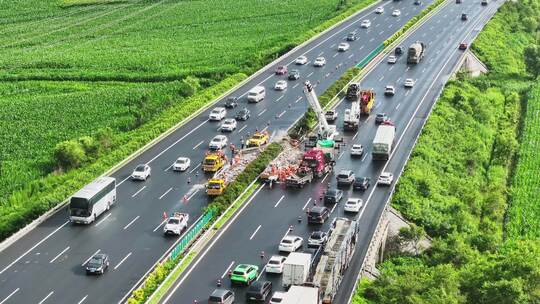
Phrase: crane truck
(325, 130)
(384, 141)
(351, 118)
(416, 52)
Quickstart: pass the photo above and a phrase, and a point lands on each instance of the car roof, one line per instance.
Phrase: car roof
(318, 209)
(219, 292)
(291, 237)
(318, 232)
(257, 285)
(332, 191)
(277, 257)
(242, 267)
(344, 171)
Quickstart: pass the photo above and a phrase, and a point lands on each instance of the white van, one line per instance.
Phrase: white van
(256, 94)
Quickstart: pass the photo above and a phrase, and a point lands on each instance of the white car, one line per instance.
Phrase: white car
(409, 83)
(386, 178)
(290, 243)
(228, 125)
(342, 47)
(392, 59)
(142, 172)
(396, 13)
(319, 62)
(357, 150)
(277, 297)
(218, 142)
(275, 264)
(218, 114)
(353, 204)
(365, 24)
(379, 10)
(317, 238)
(181, 164)
(280, 85)
(389, 90)
(301, 60)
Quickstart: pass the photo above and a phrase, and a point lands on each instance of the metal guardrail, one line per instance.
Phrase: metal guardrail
(192, 233)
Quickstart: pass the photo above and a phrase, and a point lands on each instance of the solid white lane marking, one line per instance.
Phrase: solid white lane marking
(58, 255)
(83, 299)
(277, 100)
(241, 129)
(193, 194)
(45, 299)
(84, 263)
(294, 86)
(309, 200)
(132, 221)
(254, 232)
(195, 147)
(199, 164)
(309, 74)
(332, 211)
(279, 201)
(32, 248)
(397, 107)
(325, 176)
(355, 134)
(227, 270)
(299, 98)
(281, 114)
(260, 273)
(9, 296)
(103, 219)
(160, 224)
(139, 191)
(165, 193)
(363, 158)
(262, 112)
(122, 261)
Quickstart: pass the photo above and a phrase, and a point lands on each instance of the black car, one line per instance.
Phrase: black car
(398, 51)
(294, 75)
(380, 118)
(361, 183)
(231, 102)
(242, 114)
(417, 2)
(259, 291)
(458, 1)
(333, 196)
(97, 264)
(464, 17)
(351, 36)
(318, 215)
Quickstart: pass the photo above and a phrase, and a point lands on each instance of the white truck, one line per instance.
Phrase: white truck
(296, 269)
(351, 118)
(301, 295)
(383, 141)
(176, 224)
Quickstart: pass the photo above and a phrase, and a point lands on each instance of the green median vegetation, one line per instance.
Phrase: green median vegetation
(462, 185)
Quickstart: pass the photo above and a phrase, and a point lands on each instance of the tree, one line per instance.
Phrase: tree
(69, 154)
(532, 59)
(412, 235)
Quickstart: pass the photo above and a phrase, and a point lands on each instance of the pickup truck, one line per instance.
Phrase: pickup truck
(176, 224)
(331, 115)
(299, 179)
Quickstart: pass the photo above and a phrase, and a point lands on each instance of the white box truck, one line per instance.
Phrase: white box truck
(383, 141)
(301, 295)
(296, 269)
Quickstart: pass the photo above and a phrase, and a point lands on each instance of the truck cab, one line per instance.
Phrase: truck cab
(213, 161)
(215, 186)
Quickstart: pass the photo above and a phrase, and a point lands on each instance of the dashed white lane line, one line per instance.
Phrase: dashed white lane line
(122, 261)
(397, 81)
(408, 68)
(309, 200)
(84, 263)
(325, 176)
(261, 113)
(193, 194)
(371, 40)
(260, 274)
(227, 270)
(391, 67)
(340, 155)
(254, 232)
(381, 32)
(32, 248)
(423, 70)
(350, 56)
(382, 77)
(335, 55)
(407, 92)
(9, 296)
(294, 86)
(58, 255)
(309, 74)
(286, 232)
(281, 114)
(241, 129)
(197, 145)
(363, 158)
(397, 107)
(199, 164)
(355, 134)
(281, 97)
(320, 54)
(170, 189)
(361, 47)
(83, 299)
(424, 34)
(332, 211)
(139, 191)
(132, 221)
(45, 299)
(103, 219)
(390, 26)
(169, 167)
(264, 129)
(279, 201)
(297, 100)
(160, 224)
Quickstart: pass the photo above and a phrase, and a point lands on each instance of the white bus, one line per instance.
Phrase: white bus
(92, 200)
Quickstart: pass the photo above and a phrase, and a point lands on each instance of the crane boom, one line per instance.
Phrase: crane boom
(326, 131)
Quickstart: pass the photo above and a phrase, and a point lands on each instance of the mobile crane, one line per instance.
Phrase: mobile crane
(326, 131)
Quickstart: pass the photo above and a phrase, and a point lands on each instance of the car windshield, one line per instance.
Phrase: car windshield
(236, 272)
(343, 175)
(214, 185)
(139, 169)
(286, 241)
(181, 161)
(331, 192)
(258, 136)
(316, 235)
(274, 262)
(174, 221)
(276, 300)
(215, 299)
(94, 262)
(209, 162)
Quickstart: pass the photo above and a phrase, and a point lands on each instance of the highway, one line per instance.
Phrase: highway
(45, 266)
(252, 233)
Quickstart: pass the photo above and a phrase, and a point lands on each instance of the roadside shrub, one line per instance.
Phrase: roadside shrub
(69, 154)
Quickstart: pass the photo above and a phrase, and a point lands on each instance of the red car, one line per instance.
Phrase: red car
(463, 46)
(281, 70)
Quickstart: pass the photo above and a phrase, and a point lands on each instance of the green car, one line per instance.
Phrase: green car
(244, 274)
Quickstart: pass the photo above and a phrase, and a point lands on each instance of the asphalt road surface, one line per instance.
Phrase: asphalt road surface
(270, 212)
(45, 266)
